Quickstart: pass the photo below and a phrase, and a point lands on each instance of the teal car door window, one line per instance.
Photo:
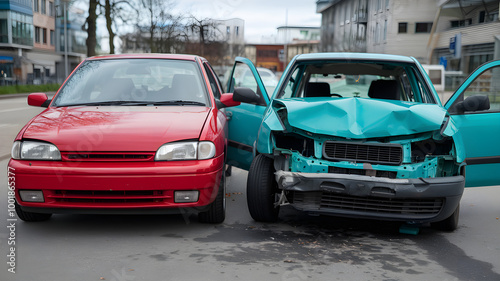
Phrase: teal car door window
(245, 119)
(488, 84)
(478, 124)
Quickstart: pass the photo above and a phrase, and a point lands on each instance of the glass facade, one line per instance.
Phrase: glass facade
(16, 22)
(22, 28)
(76, 39)
(4, 31)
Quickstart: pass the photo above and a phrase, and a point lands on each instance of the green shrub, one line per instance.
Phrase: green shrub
(20, 89)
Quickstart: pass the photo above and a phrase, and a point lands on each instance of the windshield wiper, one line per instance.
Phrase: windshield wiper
(136, 103)
(178, 102)
(99, 103)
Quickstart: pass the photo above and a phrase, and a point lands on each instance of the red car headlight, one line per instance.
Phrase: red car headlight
(34, 150)
(189, 150)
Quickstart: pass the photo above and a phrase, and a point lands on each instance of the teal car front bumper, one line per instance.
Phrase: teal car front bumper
(414, 200)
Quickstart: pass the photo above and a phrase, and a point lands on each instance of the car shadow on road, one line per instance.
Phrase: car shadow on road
(289, 219)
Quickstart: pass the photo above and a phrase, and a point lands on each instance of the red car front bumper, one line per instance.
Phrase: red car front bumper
(115, 186)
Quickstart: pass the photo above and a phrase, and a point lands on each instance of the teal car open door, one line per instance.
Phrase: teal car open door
(245, 119)
(478, 121)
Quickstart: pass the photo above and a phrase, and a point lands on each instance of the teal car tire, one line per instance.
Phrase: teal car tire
(262, 189)
(450, 223)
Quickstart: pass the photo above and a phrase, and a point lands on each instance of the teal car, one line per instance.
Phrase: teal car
(364, 136)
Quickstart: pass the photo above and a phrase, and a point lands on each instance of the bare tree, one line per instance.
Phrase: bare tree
(91, 26)
(205, 30)
(165, 29)
(171, 36)
(121, 11)
(109, 25)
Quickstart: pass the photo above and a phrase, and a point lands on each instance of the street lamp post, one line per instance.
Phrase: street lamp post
(65, 18)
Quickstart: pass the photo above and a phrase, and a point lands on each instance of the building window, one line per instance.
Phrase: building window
(348, 13)
(52, 38)
(44, 6)
(476, 60)
(267, 53)
(22, 28)
(36, 7)
(237, 30)
(37, 34)
(460, 23)
(341, 17)
(4, 31)
(52, 11)
(402, 27)
(491, 16)
(482, 16)
(423, 27)
(44, 35)
(385, 30)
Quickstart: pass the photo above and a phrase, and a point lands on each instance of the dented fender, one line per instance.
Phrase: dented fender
(270, 122)
(450, 129)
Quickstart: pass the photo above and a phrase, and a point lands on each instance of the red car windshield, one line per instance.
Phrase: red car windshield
(134, 82)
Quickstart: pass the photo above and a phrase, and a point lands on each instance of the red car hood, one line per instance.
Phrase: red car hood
(119, 128)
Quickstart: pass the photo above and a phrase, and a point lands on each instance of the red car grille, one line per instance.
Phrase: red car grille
(108, 156)
(110, 197)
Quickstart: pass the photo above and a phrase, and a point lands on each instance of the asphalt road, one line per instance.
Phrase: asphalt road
(298, 247)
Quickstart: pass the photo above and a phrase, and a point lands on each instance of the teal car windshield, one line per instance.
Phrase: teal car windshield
(379, 80)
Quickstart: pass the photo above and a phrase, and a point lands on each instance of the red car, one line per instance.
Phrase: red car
(126, 134)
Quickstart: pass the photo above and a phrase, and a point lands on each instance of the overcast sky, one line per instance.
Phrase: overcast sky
(261, 17)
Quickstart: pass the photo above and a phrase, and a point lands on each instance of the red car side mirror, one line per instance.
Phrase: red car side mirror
(38, 99)
(228, 101)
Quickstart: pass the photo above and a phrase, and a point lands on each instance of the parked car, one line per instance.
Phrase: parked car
(245, 78)
(126, 134)
(365, 136)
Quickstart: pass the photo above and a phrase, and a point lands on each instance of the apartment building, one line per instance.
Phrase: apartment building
(476, 25)
(43, 56)
(422, 29)
(30, 32)
(16, 38)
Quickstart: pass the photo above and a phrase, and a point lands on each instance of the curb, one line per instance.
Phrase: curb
(2, 97)
(23, 95)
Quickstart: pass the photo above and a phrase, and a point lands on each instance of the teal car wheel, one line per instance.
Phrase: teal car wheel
(262, 189)
(449, 224)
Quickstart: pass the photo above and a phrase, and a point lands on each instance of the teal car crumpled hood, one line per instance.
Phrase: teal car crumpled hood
(360, 118)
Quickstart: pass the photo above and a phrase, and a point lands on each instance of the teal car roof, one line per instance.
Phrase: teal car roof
(355, 56)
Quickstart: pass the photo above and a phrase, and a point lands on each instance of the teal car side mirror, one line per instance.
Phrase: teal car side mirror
(473, 103)
(246, 95)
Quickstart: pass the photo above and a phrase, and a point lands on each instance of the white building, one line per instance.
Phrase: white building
(422, 29)
(400, 27)
(233, 30)
(289, 34)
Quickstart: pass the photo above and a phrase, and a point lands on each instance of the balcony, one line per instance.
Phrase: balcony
(481, 33)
